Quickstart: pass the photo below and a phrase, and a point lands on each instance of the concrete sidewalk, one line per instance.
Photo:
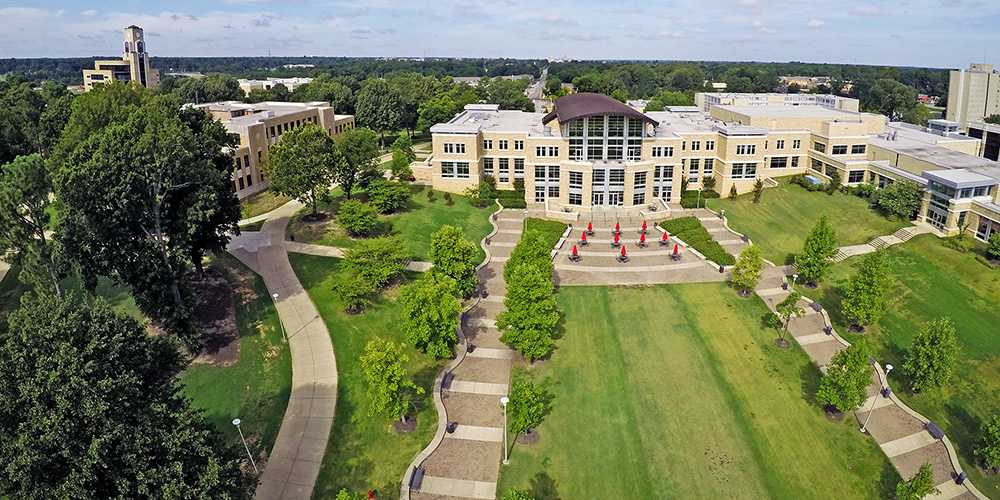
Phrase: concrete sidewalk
(293, 464)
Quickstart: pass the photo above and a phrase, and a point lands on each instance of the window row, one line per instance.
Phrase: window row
(455, 170)
(502, 144)
(454, 148)
(285, 127)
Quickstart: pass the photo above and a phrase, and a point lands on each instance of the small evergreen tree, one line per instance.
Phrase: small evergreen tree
(994, 247)
(748, 269)
(732, 192)
(834, 185)
(847, 378)
(758, 190)
(930, 361)
(919, 486)
(820, 246)
(866, 294)
(708, 183)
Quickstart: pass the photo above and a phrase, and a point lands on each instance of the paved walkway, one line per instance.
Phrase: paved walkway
(466, 463)
(4, 267)
(326, 251)
(293, 465)
(896, 238)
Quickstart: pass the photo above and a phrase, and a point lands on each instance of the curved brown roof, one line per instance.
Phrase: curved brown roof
(581, 105)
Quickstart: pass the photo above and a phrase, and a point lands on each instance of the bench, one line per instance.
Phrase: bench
(816, 306)
(416, 478)
(446, 382)
(935, 431)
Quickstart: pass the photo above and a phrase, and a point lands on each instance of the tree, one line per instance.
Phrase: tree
(891, 98)
(708, 183)
(377, 106)
(439, 109)
(748, 269)
(993, 249)
(91, 408)
(515, 495)
(303, 164)
(359, 149)
(732, 192)
(430, 314)
(787, 309)
(930, 361)
(918, 115)
(402, 156)
(25, 187)
(378, 260)
(481, 194)
(820, 246)
(552, 85)
(794, 88)
(387, 196)
(210, 88)
(530, 317)
(525, 407)
(901, 198)
(866, 294)
(357, 218)
(835, 180)
(388, 385)
(919, 486)
(758, 189)
(166, 195)
(988, 451)
(354, 290)
(455, 257)
(847, 377)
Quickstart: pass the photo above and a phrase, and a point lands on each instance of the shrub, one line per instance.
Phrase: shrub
(358, 219)
(512, 199)
(490, 181)
(519, 185)
(960, 242)
(378, 260)
(387, 196)
(447, 199)
(993, 250)
(709, 183)
(732, 192)
(430, 195)
(864, 190)
(690, 231)
(834, 185)
(479, 195)
(354, 291)
(689, 198)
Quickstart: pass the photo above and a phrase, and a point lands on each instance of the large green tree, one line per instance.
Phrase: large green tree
(430, 314)
(866, 293)
(378, 107)
(529, 320)
(847, 377)
(388, 386)
(748, 269)
(820, 246)
(145, 189)
(25, 189)
(303, 164)
(919, 486)
(525, 407)
(931, 360)
(891, 98)
(378, 260)
(91, 408)
(359, 149)
(210, 88)
(988, 451)
(901, 198)
(455, 257)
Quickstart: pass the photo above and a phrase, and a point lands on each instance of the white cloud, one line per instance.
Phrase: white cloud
(671, 34)
(89, 12)
(768, 31)
(749, 3)
(815, 23)
(757, 24)
(25, 13)
(557, 19)
(866, 10)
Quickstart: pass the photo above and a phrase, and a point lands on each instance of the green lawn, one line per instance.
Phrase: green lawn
(255, 388)
(552, 230)
(415, 224)
(679, 392)
(11, 290)
(254, 226)
(935, 281)
(785, 214)
(364, 451)
(262, 203)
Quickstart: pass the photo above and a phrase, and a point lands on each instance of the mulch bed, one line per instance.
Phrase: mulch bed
(404, 427)
(856, 329)
(833, 414)
(215, 317)
(528, 439)
(782, 343)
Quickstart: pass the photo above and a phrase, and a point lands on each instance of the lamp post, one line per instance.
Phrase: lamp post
(888, 368)
(282, 323)
(794, 277)
(236, 422)
(504, 400)
(699, 198)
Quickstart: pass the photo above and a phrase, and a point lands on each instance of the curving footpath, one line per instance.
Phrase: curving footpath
(294, 462)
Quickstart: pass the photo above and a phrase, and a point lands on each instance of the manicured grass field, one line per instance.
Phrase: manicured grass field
(414, 225)
(255, 388)
(364, 452)
(785, 214)
(679, 392)
(934, 281)
(262, 203)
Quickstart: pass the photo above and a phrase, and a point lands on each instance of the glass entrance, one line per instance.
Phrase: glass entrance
(615, 199)
(608, 185)
(598, 199)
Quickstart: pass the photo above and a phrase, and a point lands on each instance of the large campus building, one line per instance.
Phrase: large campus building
(132, 67)
(261, 125)
(593, 152)
(973, 94)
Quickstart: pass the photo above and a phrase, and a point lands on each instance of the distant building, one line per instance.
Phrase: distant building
(133, 66)
(706, 100)
(289, 83)
(989, 133)
(261, 125)
(299, 66)
(474, 80)
(973, 94)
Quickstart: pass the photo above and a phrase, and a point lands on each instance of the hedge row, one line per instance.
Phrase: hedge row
(690, 199)
(512, 199)
(690, 231)
(551, 230)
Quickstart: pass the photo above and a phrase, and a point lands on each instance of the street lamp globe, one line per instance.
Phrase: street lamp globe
(236, 422)
(504, 400)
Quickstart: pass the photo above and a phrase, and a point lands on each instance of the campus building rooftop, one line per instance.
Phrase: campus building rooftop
(237, 116)
(795, 112)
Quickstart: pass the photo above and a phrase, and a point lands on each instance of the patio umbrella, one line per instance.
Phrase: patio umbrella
(616, 238)
(644, 224)
(583, 237)
(623, 251)
(664, 236)
(590, 226)
(617, 228)
(574, 249)
(642, 237)
(675, 248)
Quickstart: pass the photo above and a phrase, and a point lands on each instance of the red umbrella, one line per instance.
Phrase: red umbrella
(675, 248)
(616, 238)
(642, 237)
(583, 236)
(617, 228)
(574, 249)
(623, 251)
(644, 224)
(590, 226)
(664, 236)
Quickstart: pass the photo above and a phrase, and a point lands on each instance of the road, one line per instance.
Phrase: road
(535, 93)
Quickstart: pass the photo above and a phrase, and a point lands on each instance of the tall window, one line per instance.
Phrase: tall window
(663, 176)
(709, 145)
(695, 145)
(744, 170)
(795, 162)
(780, 144)
(503, 144)
(455, 148)
(575, 188)
(546, 182)
(503, 168)
(709, 165)
(693, 170)
(487, 144)
(518, 168)
(796, 144)
(487, 166)
(639, 194)
(746, 149)
(518, 145)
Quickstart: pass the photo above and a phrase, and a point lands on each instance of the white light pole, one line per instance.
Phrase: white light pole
(504, 400)
(794, 277)
(699, 198)
(236, 422)
(888, 368)
(282, 323)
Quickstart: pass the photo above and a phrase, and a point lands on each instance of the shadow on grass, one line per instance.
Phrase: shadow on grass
(423, 378)
(810, 376)
(543, 487)
(887, 481)
(963, 429)
(350, 468)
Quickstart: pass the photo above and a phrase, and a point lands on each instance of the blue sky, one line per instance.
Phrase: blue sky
(935, 33)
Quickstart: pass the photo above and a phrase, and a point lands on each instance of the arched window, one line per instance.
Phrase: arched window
(140, 47)
(126, 48)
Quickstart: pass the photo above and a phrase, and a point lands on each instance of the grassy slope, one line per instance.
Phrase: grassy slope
(415, 225)
(935, 281)
(552, 230)
(783, 218)
(261, 203)
(677, 392)
(364, 452)
(256, 387)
